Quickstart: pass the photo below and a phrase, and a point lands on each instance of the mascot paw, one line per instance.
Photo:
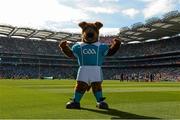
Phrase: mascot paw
(102, 105)
(63, 44)
(72, 105)
(116, 41)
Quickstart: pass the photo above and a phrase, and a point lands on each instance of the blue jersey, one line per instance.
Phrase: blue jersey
(90, 54)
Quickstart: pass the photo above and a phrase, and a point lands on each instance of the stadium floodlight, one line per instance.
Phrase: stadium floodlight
(133, 42)
(150, 40)
(165, 37)
(171, 14)
(152, 20)
(52, 40)
(137, 25)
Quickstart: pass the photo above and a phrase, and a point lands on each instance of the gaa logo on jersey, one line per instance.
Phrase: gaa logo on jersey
(89, 51)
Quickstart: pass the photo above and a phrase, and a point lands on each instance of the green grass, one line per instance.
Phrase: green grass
(46, 99)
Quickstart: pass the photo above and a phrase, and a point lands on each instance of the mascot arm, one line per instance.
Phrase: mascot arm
(114, 47)
(66, 49)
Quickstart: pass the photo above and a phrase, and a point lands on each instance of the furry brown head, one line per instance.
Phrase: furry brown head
(90, 31)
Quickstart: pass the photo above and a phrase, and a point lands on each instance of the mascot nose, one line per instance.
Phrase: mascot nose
(90, 35)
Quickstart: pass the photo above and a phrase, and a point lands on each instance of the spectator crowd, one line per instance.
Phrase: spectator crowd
(149, 61)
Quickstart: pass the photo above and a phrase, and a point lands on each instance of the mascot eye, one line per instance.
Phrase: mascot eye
(85, 28)
(95, 28)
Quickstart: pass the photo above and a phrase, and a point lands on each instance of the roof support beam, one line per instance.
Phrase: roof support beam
(33, 33)
(164, 29)
(12, 32)
(171, 22)
(126, 36)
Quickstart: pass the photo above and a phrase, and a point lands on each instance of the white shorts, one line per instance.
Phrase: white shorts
(89, 74)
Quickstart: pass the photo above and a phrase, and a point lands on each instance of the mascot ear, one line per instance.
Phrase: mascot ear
(82, 24)
(98, 24)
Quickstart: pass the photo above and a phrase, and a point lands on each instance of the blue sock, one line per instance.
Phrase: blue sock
(78, 96)
(98, 95)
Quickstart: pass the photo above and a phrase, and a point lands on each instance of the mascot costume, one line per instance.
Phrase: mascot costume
(90, 54)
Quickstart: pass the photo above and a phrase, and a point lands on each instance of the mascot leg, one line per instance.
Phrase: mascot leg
(80, 89)
(97, 91)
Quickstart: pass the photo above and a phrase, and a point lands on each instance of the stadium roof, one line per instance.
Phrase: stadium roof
(154, 28)
(28, 33)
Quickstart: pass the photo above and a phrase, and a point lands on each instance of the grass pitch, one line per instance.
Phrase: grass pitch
(46, 99)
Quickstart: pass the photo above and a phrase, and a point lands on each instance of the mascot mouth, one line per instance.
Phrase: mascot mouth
(89, 40)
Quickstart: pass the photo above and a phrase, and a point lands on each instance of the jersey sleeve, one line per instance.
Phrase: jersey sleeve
(104, 49)
(76, 49)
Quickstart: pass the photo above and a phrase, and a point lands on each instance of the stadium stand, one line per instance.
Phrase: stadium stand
(149, 52)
